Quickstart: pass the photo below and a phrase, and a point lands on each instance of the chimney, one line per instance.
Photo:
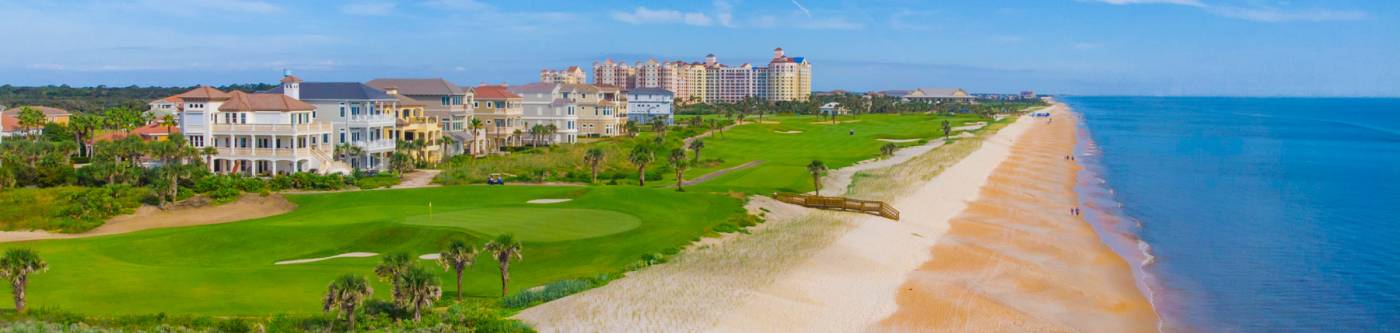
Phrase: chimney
(291, 85)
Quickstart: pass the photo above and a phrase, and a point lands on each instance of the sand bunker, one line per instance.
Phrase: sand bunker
(787, 132)
(188, 213)
(548, 201)
(342, 255)
(431, 256)
(898, 140)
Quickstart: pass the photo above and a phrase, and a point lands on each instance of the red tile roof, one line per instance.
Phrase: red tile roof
(8, 123)
(145, 132)
(49, 112)
(203, 92)
(291, 79)
(493, 92)
(239, 101)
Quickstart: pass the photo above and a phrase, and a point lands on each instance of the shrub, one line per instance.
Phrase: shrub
(547, 293)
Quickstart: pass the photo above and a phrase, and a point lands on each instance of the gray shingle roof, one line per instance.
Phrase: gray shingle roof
(650, 91)
(419, 87)
(337, 91)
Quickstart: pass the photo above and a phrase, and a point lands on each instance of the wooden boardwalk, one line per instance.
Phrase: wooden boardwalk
(840, 203)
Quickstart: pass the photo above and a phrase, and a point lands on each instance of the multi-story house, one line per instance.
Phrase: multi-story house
(572, 75)
(646, 104)
(448, 103)
(361, 116)
(601, 109)
(162, 107)
(548, 104)
(415, 127)
(258, 134)
(501, 113)
(10, 124)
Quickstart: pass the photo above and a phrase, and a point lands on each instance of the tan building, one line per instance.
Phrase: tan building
(414, 125)
(613, 73)
(602, 109)
(447, 102)
(572, 75)
(785, 78)
(501, 113)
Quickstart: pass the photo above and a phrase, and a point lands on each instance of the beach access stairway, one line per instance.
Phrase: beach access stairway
(879, 208)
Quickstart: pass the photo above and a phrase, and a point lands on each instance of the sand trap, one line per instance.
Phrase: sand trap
(548, 201)
(342, 255)
(188, 213)
(787, 132)
(431, 256)
(898, 140)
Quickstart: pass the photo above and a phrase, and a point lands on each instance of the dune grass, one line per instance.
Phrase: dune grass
(228, 269)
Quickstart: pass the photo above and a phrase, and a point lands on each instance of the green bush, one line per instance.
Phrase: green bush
(547, 293)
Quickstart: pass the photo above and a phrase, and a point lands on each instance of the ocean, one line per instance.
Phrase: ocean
(1250, 214)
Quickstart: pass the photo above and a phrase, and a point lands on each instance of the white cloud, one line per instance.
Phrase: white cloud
(802, 8)
(1257, 13)
(643, 15)
(724, 13)
(368, 8)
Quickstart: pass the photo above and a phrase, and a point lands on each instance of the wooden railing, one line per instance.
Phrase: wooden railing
(840, 203)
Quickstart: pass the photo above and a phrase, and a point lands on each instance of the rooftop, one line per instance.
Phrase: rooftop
(336, 91)
(419, 87)
(244, 102)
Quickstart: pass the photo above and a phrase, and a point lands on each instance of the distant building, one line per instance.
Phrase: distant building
(1027, 94)
(833, 108)
(784, 78)
(163, 107)
(10, 125)
(150, 132)
(934, 95)
(571, 75)
(600, 109)
(448, 103)
(501, 112)
(646, 104)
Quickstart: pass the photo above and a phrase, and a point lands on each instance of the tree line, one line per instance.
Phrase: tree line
(98, 98)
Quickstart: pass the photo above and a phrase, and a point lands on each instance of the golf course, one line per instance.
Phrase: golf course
(229, 269)
(568, 232)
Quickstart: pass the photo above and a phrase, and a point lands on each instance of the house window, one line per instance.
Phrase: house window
(342, 110)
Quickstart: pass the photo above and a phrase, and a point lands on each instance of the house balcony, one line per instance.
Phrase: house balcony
(375, 146)
(375, 119)
(265, 153)
(270, 129)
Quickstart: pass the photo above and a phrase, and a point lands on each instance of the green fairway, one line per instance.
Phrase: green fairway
(228, 269)
(534, 224)
(787, 143)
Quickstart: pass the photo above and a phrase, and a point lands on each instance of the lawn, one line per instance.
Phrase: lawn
(228, 269)
(787, 144)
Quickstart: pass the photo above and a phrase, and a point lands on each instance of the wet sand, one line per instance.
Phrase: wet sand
(1016, 259)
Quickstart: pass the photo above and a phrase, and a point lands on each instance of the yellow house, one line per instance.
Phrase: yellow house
(602, 109)
(422, 134)
(501, 113)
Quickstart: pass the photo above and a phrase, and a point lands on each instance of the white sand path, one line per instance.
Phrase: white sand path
(787, 132)
(852, 283)
(342, 255)
(547, 201)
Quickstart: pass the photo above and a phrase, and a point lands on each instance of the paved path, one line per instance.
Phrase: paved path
(416, 179)
(721, 172)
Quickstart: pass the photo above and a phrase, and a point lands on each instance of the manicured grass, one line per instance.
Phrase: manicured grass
(228, 269)
(787, 154)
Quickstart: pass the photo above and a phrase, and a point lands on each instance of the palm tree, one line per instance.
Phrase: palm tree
(817, 168)
(209, 152)
(420, 289)
(503, 248)
(641, 156)
(947, 129)
(593, 157)
(679, 162)
(476, 125)
(715, 126)
(697, 145)
(631, 128)
(658, 125)
(83, 126)
(549, 131)
(169, 122)
(346, 151)
(16, 265)
(536, 132)
(345, 294)
(518, 133)
(456, 258)
(390, 268)
(31, 119)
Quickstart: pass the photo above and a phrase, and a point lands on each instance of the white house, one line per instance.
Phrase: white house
(833, 107)
(645, 104)
(548, 104)
(360, 115)
(257, 134)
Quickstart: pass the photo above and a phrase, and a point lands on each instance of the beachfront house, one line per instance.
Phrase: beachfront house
(423, 133)
(10, 124)
(548, 104)
(646, 104)
(938, 95)
(258, 134)
(833, 108)
(448, 103)
(360, 115)
(601, 111)
(501, 113)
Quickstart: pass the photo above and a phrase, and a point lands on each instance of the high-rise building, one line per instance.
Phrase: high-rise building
(782, 79)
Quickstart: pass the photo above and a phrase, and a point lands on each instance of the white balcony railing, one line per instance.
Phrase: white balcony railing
(376, 118)
(265, 152)
(271, 129)
(378, 145)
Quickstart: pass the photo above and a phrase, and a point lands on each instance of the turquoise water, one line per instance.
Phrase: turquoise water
(1253, 214)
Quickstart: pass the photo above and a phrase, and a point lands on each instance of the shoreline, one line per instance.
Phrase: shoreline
(1016, 259)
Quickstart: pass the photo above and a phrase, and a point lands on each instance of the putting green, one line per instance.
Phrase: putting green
(533, 224)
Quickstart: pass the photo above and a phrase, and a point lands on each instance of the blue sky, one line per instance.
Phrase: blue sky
(1134, 47)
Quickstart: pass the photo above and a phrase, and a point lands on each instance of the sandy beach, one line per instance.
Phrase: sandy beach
(1017, 260)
